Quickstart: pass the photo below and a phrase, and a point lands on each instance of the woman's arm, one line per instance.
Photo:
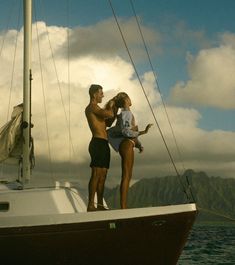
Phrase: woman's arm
(111, 106)
(146, 129)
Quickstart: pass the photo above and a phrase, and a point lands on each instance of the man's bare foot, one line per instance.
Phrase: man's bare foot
(101, 208)
(91, 208)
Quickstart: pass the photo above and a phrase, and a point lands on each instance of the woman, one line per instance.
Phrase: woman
(124, 144)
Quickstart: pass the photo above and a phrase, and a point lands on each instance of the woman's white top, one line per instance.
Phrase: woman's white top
(122, 129)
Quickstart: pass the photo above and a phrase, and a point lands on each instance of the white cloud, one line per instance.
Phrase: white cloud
(212, 79)
(228, 39)
(114, 74)
(103, 39)
(185, 36)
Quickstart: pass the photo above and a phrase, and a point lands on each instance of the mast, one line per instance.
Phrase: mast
(26, 89)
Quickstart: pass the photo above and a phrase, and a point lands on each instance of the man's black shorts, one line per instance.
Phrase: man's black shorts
(100, 153)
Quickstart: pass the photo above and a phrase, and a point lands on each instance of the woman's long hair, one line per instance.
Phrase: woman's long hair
(120, 99)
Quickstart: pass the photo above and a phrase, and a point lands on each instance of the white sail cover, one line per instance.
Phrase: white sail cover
(11, 136)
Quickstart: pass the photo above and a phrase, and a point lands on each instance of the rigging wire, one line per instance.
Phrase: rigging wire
(216, 213)
(59, 86)
(14, 61)
(145, 94)
(44, 97)
(7, 26)
(1, 50)
(160, 93)
(69, 82)
(156, 81)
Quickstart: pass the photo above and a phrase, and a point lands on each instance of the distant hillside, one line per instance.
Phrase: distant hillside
(212, 194)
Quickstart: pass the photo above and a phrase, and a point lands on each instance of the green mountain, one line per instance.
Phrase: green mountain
(215, 196)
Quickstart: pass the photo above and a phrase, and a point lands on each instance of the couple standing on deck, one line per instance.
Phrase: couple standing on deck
(122, 137)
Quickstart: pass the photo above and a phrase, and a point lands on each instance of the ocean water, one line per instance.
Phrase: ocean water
(210, 244)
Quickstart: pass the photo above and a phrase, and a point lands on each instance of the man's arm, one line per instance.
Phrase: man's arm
(102, 113)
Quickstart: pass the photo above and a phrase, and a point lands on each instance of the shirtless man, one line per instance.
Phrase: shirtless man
(99, 150)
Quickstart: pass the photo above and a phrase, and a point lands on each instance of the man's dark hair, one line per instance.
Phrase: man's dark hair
(93, 89)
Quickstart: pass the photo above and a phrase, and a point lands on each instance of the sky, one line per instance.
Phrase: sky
(192, 49)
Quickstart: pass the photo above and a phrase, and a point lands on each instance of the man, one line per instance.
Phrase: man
(99, 150)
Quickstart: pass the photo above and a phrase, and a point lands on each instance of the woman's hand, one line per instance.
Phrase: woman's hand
(111, 106)
(148, 127)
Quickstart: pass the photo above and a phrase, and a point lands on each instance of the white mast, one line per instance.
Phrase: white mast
(26, 88)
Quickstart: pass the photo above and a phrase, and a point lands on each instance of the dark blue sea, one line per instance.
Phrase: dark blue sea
(210, 244)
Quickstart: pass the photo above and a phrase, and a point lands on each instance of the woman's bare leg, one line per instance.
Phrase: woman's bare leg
(127, 156)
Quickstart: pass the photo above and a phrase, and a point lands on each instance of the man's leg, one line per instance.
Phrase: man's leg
(92, 188)
(100, 188)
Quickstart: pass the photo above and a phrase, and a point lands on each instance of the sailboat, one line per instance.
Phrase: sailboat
(52, 226)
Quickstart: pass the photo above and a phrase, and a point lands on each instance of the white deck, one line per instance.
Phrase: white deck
(111, 215)
(48, 206)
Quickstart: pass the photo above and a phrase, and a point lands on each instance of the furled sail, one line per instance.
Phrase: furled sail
(11, 138)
